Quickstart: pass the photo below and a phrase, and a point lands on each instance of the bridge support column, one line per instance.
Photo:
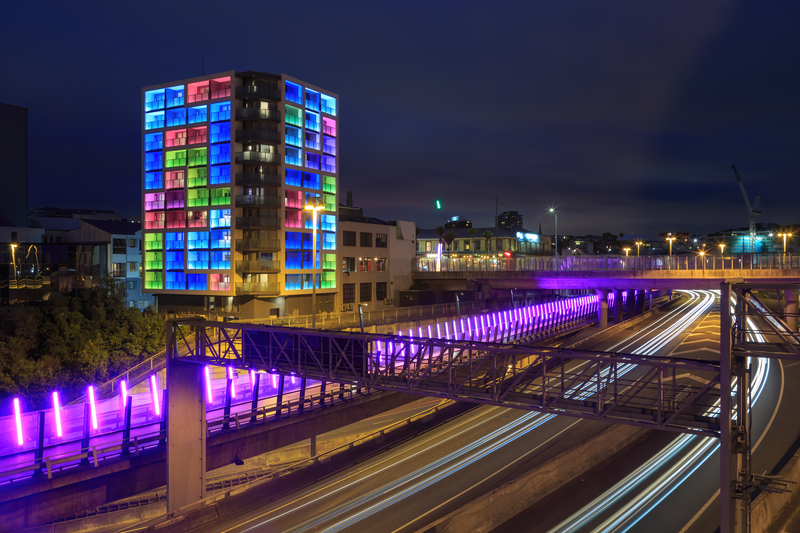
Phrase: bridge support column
(791, 309)
(649, 299)
(630, 304)
(186, 429)
(602, 308)
(617, 306)
(639, 301)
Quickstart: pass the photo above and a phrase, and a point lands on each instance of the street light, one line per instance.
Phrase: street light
(702, 256)
(784, 235)
(638, 244)
(670, 239)
(14, 263)
(626, 251)
(314, 205)
(555, 251)
(722, 249)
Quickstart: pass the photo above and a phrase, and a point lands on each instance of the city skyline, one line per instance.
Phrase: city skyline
(626, 118)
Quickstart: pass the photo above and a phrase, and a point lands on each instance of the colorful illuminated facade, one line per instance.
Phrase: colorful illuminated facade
(229, 163)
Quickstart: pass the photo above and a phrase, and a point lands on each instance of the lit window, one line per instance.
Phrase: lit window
(329, 126)
(312, 160)
(220, 88)
(154, 120)
(294, 92)
(176, 158)
(220, 174)
(294, 156)
(312, 100)
(154, 220)
(153, 180)
(329, 145)
(198, 114)
(312, 121)
(220, 153)
(221, 218)
(220, 282)
(153, 201)
(221, 260)
(198, 177)
(311, 180)
(154, 100)
(198, 156)
(175, 179)
(312, 140)
(176, 138)
(221, 196)
(198, 91)
(293, 177)
(153, 141)
(152, 161)
(174, 240)
(328, 104)
(220, 132)
(175, 96)
(293, 136)
(176, 281)
(329, 184)
(175, 199)
(197, 282)
(328, 163)
(176, 117)
(220, 111)
(197, 219)
(198, 135)
(294, 116)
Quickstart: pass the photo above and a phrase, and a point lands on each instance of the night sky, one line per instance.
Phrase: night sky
(625, 115)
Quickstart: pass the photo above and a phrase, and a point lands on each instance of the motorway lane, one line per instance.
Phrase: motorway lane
(404, 488)
(686, 502)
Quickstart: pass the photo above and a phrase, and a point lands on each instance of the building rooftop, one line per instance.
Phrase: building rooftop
(115, 227)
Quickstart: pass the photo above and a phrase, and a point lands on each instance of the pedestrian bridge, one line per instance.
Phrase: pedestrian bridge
(705, 271)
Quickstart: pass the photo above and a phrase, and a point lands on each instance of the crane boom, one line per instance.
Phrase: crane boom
(752, 209)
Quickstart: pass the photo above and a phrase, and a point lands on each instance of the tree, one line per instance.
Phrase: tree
(472, 233)
(439, 231)
(449, 237)
(487, 235)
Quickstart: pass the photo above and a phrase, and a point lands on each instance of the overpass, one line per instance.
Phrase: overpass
(613, 274)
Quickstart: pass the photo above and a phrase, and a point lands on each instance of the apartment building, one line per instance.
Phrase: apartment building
(231, 163)
(376, 260)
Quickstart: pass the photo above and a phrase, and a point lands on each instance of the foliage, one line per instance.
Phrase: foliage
(67, 343)
(449, 237)
(472, 233)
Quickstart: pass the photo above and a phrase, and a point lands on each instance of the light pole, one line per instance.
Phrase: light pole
(14, 263)
(702, 256)
(638, 244)
(626, 251)
(784, 235)
(670, 239)
(314, 205)
(722, 249)
(555, 248)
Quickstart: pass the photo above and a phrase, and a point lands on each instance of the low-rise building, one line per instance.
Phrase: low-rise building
(520, 241)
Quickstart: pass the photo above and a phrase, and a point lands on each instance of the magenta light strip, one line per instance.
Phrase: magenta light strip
(18, 420)
(57, 413)
(420, 331)
(124, 389)
(92, 407)
(252, 379)
(438, 331)
(429, 331)
(209, 397)
(154, 390)
(233, 383)
(446, 331)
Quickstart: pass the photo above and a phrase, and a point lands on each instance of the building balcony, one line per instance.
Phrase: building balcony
(259, 265)
(258, 245)
(268, 223)
(258, 157)
(272, 288)
(252, 200)
(266, 136)
(260, 91)
(251, 178)
(254, 113)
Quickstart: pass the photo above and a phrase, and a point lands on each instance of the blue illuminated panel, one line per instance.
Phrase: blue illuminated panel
(154, 120)
(153, 141)
(198, 282)
(220, 174)
(197, 240)
(220, 218)
(313, 160)
(327, 222)
(174, 241)
(153, 161)
(221, 239)
(175, 260)
(198, 260)
(153, 180)
(220, 153)
(293, 282)
(198, 114)
(312, 121)
(294, 93)
(293, 136)
(175, 96)
(154, 100)
(220, 132)
(176, 281)
(221, 260)
(176, 117)
(311, 180)
(294, 156)
(293, 178)
(293, 240)
(292, 260)
(312, 100)
(220, 111)
(328, 104)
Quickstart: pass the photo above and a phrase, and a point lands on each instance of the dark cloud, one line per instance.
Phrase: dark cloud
(625, 115)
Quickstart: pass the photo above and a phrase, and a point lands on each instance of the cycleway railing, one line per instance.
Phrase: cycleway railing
(696, 262)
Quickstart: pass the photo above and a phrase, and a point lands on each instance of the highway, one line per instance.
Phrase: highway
(418, 481)
(669, 483)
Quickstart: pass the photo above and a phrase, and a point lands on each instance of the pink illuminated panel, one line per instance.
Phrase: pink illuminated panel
(294, 199)
(175, 179)
(176, 219)
(294, 218)
(198, 135)
(154, 220)
(176, 138)
(197, 92)
(220, 87)
(153, 201)
(329, 126)
(220, 282)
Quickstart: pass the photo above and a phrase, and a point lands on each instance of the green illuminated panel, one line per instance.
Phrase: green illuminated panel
(153, 241)
(329, 262)
(330, 202)
(221, 196)
(197, 197)
(153, 280)
(176, 158)
(198, 177)
(328, 280)
(198, 156)
(154, 260)
(329, 184)
(294, 116)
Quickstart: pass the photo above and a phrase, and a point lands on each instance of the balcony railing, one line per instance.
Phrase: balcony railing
(258, 157)
(248, 178)
(258, 135)
(264, 245)
(258, 91)
(259, 265)
(273, 223)
(706, 263)
(258, 288)
(247, 200)
(254, 113)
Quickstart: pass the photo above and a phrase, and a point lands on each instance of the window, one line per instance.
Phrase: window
(174, 240)
(293, 282)
(153, 141)
(221, 132)
(327, 222)
(328, 104)
(292, 217)
(366, 240)
(312, 140)
(153, 260)
(294, 93)
(198, 91)
(220, 111)
(198, 260)
(293, 136)
(197, 219)
(174, 261)
(293, 178)
(311, 180)
(294, 116)
(175, 96)
(312, 160)
(198, 156)
(220, 174)
(329, 184)
(132, 266)
(294, 199)
(365, 292)
(197, 282)
(329, 126)
(153, 161)
(220, 88)
(143, 304)
(198, 135)
(175, 179)
(221, 196)
(364, 264)
(329, 145)
(154, 280)
(294, 156)
(119, 246)
(198, 114)
(348, 293)
(312, 100)
(118, 270)
(380, 264)
(132, 243)
(154, 220)
(132, 285)
(176, 158)
(221, 260)
(221, 239)
(154, 100)
(176, 138)
(153, 180)
(328, 163)
(175, 199)
(198, 240)
(176, 117)
(176, 281)
(154, 241)
(131, 304)
(381, 291)
(154, 120)
(381, 240)
(312, 121)
(293, 241)
(176, 219)
(220, 218)
(348, 264)
(349, 238)
(220, 282)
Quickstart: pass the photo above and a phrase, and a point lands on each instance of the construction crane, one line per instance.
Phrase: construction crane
(752, 210)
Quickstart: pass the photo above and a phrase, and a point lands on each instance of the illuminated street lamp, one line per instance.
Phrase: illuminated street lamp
(670, 239)
(638, 244)
(314, 205)
(555, 251)
(722, 249)
(14, 262)
(626, 251)
(784, 235)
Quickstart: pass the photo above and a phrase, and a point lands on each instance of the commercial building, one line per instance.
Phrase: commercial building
(511, 220)
(519, 241)
(231, 164)
(377, 260)
(123, 242)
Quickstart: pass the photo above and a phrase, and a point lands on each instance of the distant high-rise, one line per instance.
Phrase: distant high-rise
(510, 220)
(230, 161)
(14, 166)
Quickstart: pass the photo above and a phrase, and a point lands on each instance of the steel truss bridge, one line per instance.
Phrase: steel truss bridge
(610, 387)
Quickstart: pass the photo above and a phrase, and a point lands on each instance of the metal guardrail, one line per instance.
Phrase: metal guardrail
(695, 262)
